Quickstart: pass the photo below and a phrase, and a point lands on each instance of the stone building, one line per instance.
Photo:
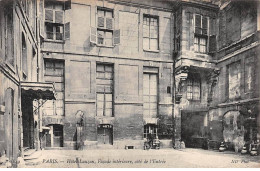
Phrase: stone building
(234, 103)
(81, 74)
(216, 73)
(112, 65)
(20, 83)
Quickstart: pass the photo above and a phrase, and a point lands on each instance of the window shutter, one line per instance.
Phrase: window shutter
(67, 5)
(212, 44)
(48, 15)
(191, 30)
(212, 26)
(59, 17)
(197, 24)
(67, 30)
(101, 22)
(116, 37)
(109, 23)
(93, 35)
(204, 25)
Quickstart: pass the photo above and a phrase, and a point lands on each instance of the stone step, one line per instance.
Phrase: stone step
(33, 155)
(29, 152)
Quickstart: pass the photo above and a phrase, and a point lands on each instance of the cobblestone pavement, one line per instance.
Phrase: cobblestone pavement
(187, 158)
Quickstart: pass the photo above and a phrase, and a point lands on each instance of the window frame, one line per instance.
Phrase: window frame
(149, 37)
(201, 35)
(199, 44)
(148, 128)
(65, 30)
(104, 93)
(104, 29)
(193, 81)
(238, 74)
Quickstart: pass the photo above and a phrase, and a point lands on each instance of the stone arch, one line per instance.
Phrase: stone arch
(233, 129)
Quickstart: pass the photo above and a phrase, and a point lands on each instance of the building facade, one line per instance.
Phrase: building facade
(216, 73)
(107, 74)
(21, 85)
(112, 65)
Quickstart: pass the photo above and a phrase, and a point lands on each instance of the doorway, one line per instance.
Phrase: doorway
(105, 134)
(28, 123)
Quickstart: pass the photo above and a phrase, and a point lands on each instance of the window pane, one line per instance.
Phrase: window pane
(109, 14)
(154, 32)
(154, 44)
(108, 97)
(100, 105)
(196, 40)
(101, 13)
(101, 34)
(100, 97)
(145, 43)
(196, 47)
(198, 21)
(59, 36)
(108, 112)
(100, 112)
(202, 41)
(58, 7)
(101, 41)
(109, 35)
(145, 31)
(108, 42)
(203, 49)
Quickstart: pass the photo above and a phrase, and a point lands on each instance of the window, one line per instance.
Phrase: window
(54, 21)
(105, 37)
(200, 44)
(234, 80)
(105, 18)
(54, 71)
(150, 32)
(150, 130)
(201, 34)
(249, 73)
(193, 87)
(105, 34)
(24, 57)
(104, 80)
(9, 36)
(53, 31)
(150, 95)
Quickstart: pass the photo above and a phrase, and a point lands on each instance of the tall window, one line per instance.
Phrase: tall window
(201, 34)
(105, 26)
(150, 32)
(24, 57)
(150, 95)
(234, 80)
(249, 73)
(193, 87)
(104, 80)
(9, 36)
(54, 21)
(54, 72)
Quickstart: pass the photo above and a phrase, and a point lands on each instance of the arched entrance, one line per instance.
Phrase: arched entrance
(234, 130)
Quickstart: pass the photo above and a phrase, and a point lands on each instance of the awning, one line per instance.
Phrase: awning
(150, 121)
(38, 90)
